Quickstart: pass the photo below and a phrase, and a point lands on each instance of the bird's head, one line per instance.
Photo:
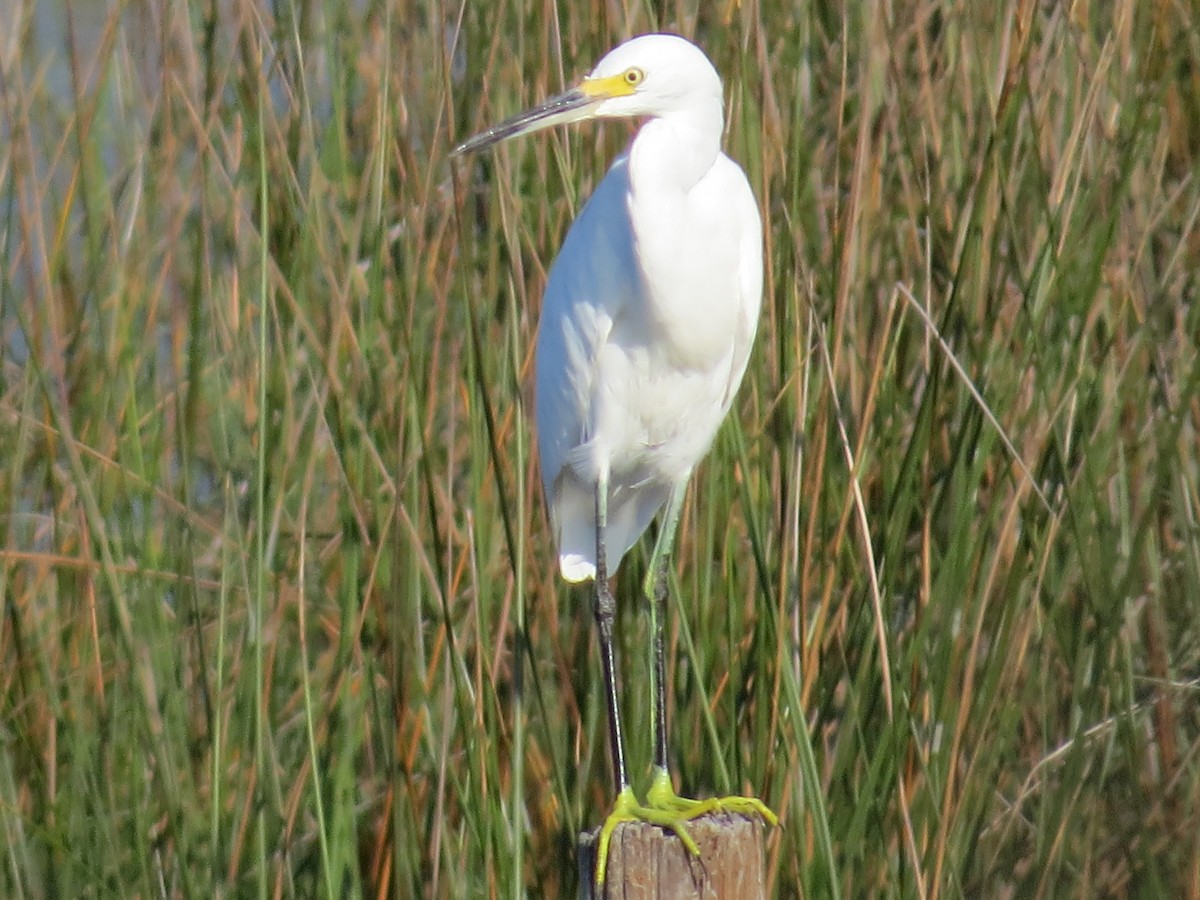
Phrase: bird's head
(654, 75)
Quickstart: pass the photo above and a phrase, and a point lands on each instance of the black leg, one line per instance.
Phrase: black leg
(606, 611)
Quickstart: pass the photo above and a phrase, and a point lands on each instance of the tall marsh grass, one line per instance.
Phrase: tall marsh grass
(280, 613)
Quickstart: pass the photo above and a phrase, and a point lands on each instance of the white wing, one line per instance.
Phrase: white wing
(591, 282)
(749, 274)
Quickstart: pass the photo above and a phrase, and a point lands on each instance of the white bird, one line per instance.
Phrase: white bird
(648, 318)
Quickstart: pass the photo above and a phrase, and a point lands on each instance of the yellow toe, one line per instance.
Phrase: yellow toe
(624, 810)
(662, 796)
(667, 809)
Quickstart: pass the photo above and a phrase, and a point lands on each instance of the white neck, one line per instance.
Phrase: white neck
(676, 150)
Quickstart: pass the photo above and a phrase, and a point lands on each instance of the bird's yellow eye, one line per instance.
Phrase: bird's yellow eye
(634, 76)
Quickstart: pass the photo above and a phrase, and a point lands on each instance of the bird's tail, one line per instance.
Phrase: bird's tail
(630, 510)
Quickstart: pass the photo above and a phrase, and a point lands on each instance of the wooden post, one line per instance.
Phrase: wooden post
(646, 862)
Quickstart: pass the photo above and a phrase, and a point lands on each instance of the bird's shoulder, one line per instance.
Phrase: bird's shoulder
(733, 185)
(729, 186)
(595, 269)
(605, 215)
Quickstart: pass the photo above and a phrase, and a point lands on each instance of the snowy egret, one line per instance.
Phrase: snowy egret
(647, 321)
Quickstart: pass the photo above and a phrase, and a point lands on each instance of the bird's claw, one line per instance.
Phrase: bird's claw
(666, 809)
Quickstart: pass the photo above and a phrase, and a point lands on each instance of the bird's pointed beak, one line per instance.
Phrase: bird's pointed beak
(572, 106)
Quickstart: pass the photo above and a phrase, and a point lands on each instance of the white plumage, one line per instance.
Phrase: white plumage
(650, 309)
(646, 326)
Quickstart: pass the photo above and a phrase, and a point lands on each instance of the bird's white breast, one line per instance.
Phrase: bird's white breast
(649, 313)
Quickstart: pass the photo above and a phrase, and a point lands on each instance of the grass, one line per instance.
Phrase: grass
(280, 614)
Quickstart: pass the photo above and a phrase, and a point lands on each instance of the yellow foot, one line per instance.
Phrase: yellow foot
(667, 809)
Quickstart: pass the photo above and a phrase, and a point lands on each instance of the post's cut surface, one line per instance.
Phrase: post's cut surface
(646, 862)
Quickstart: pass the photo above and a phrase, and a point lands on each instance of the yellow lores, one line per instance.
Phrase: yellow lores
(646, 327)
